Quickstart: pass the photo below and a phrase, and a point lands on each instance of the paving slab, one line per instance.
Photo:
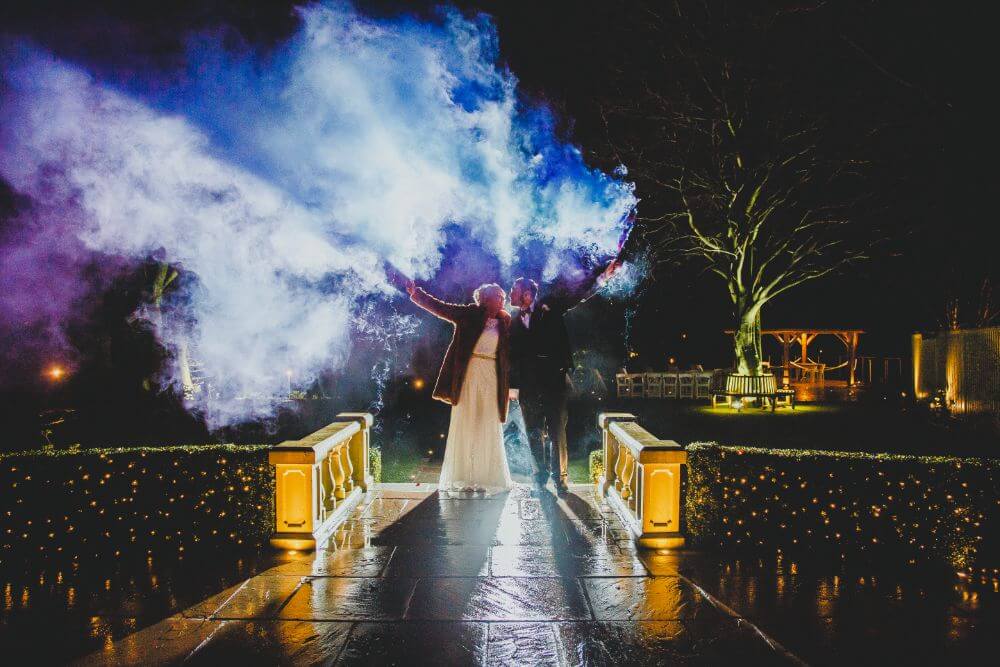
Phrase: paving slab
(271, 642)
(357, 562)
(646, 599)
(564, 561)
(439, 560)
(523, 644)
(349, 599)
(165, 643)
(260, 597)
(498, 599)
(663, 643)
(416, 642)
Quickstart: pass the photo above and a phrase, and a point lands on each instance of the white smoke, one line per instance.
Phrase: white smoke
(282, 182)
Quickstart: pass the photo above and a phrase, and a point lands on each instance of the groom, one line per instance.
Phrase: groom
(540, 360)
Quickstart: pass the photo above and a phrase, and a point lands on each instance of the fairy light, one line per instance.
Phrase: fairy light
(910, 509)
(104, 496)
(123, 502)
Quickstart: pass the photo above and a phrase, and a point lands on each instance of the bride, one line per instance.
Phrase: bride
(473, 380)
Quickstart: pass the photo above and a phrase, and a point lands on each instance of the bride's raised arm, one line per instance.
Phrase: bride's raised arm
(450, 312)
(446, 311)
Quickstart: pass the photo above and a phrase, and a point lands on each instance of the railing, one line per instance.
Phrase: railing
(318, 480)
(642, 480)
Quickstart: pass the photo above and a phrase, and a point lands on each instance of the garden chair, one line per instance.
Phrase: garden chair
(685, 384)
(703, 385)
(670, 385)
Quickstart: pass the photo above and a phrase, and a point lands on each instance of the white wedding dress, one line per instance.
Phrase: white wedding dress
(474, 457)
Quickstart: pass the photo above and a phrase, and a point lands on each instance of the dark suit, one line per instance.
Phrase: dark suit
(540, 360)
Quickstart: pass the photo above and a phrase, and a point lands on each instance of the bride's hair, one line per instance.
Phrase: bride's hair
(488, 288)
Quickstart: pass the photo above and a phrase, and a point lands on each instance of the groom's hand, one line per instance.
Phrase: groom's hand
(512, 394)
(609, 271)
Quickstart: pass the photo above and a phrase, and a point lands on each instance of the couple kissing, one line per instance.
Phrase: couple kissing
(496, 356)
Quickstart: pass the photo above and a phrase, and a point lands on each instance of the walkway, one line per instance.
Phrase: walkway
(415, 578)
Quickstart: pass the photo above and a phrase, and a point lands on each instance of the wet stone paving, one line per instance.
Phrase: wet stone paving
(528, 578)
(523, 578)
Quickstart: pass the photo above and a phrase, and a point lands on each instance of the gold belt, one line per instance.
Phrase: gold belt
(482, 356)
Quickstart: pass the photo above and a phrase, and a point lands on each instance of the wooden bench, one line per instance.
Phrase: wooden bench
(764, 388)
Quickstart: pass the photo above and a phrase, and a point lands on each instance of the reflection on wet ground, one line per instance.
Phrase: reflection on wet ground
(529, 578)
(415, 577)
(861, 617)
(89, 604)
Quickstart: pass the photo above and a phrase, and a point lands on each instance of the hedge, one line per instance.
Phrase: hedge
(136, 501)
(915, 509)
(114, 502)
(596, 463)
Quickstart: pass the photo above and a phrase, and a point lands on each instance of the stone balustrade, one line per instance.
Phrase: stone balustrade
(642, 480)
(319, 480)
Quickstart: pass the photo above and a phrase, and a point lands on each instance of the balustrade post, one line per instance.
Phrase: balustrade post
(610, 447)
(327, 484)
(359, 445)
(628, 470)
(338, 473)
(345, 463)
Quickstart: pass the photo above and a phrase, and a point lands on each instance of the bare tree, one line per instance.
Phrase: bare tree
(963, 308)
(750, 190)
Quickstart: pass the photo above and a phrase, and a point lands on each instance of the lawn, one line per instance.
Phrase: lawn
(400, 465)
(872, 425)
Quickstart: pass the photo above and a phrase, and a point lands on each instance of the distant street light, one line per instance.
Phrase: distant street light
(56, 373)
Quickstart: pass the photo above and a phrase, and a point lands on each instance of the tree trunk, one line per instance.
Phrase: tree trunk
(747, 339)
(187, 382)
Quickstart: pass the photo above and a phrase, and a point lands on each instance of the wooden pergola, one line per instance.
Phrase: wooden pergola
(787, 337)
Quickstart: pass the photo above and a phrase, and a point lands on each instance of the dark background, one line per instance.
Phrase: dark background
(908, 83)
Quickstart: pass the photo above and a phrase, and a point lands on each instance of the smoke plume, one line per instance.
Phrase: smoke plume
(282, 180)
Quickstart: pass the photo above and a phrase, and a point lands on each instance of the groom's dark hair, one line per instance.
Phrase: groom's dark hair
(526, 283)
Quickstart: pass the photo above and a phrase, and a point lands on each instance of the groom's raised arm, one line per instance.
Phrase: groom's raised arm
(450, 312)
(565, 298)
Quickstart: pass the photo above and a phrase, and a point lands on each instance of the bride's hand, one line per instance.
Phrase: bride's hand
(512, 394)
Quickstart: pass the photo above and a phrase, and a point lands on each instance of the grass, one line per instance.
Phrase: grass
(865, 426)
(726, 412)
(579, 469)
(399, 465)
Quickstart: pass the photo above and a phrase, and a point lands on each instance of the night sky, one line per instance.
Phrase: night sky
(904, 84)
